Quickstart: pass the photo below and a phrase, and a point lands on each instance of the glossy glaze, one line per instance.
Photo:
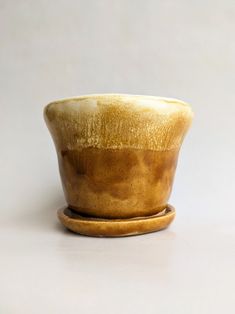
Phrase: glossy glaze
(117, 153)
(115, 227)
(117, 183)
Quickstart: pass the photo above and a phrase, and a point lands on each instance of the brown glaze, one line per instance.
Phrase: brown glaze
(114, 183)
(115, 227)
(117, 157)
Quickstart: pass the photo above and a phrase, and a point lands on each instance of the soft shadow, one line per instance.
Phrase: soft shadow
(138, 256)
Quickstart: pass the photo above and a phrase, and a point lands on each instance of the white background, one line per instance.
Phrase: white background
(54, 49)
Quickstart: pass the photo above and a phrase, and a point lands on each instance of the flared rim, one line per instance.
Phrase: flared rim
(106, 96)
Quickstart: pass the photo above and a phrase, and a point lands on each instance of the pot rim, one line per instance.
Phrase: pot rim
(167, 100)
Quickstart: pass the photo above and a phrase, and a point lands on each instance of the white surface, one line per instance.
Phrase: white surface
(55, 49)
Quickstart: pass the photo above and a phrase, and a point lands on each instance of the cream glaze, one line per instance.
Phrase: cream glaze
(118, 121)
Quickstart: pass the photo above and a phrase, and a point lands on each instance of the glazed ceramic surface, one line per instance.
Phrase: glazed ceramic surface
(117, 153)
(115, 227)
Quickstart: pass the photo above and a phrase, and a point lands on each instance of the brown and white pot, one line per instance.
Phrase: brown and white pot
(117, 158)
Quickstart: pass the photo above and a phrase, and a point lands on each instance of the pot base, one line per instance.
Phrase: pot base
(99, 227)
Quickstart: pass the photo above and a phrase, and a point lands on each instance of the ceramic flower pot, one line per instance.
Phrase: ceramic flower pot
(117, 158)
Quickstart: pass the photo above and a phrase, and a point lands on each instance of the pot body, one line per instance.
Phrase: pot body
(117, 154)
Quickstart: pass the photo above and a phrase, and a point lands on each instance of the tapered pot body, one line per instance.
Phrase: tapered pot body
(117, 154)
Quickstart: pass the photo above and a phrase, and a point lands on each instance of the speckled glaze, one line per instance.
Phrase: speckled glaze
(117, 153)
